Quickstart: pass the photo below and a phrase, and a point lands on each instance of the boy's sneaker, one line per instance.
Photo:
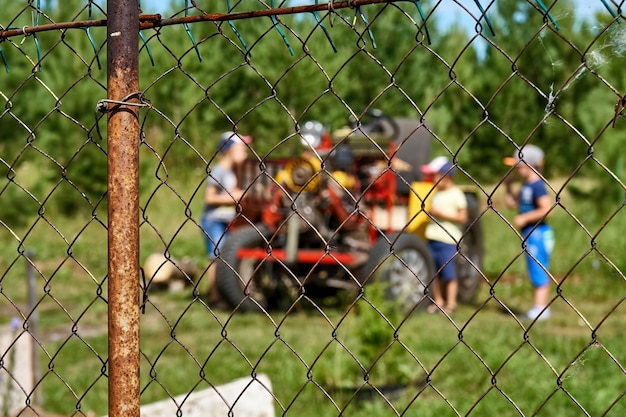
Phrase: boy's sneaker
(538, 313)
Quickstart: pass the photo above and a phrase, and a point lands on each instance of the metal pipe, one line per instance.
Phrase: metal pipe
(123, 207)
(293, 234)
(33, 321)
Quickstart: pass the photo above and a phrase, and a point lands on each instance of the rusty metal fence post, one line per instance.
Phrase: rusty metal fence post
(123, 211)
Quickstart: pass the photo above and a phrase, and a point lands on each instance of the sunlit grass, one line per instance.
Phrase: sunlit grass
(482, 361)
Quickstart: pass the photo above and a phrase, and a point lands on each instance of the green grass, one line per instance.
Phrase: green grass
(495, 353)
(482, 362)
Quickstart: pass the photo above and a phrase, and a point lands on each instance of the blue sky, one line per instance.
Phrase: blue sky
(447, 12)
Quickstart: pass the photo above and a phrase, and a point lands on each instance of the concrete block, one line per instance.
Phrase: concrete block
(16, 374)
(246, 397)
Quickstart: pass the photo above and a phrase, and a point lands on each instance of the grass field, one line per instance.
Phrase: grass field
(479, 362)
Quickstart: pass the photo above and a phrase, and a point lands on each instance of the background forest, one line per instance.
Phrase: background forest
(554, 85)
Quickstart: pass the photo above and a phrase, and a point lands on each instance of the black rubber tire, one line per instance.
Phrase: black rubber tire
(233, 274)
(469, 263)
(407, 271)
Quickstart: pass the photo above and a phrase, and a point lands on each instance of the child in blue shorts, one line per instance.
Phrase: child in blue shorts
(534, 205)
(448, 212)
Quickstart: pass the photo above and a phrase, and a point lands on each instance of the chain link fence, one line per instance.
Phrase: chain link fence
(322, 290)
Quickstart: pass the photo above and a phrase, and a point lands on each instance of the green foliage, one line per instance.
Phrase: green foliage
(85, 177)
(531, 87)
(387, 362)
(377, 316)
(17, 205)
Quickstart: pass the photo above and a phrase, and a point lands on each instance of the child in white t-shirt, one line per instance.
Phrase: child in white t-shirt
(448, 213)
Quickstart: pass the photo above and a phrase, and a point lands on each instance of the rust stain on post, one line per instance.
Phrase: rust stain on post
(123, 215)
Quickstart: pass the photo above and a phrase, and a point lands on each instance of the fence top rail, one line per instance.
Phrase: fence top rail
(155, 20)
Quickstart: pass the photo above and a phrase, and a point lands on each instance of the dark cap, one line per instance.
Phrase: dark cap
(228, 139)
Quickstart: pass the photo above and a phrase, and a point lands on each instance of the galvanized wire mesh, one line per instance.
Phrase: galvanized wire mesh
(393, 81)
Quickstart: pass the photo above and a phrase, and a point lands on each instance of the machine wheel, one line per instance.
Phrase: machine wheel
(404, 265)
(245, 283)
(469, 263)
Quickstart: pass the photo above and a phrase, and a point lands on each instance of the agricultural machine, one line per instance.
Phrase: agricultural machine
(349, 212)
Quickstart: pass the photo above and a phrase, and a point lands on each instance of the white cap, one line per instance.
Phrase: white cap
(531, 154)
(439, 165)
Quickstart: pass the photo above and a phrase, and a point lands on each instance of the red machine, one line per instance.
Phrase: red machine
(338, 218)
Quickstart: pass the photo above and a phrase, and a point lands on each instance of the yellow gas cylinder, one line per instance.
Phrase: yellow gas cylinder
(419, 203)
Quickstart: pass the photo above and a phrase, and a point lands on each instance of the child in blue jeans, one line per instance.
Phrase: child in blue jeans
(221, 197)
(534, 204)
